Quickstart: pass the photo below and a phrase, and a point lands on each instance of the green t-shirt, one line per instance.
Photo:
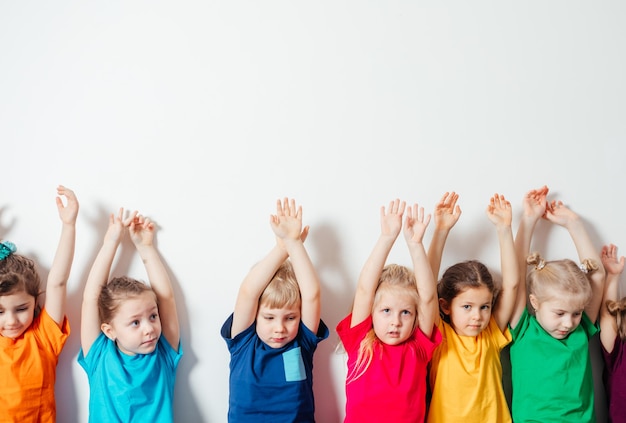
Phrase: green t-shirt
(552, 378)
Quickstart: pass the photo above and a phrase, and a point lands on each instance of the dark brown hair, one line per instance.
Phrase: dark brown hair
(18, 274)
(461, 276)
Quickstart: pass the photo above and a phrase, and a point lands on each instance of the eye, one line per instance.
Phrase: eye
(134, 323)
(406, 312)
(268, 317)
(466, 307)
(386, 310)
(153, 316)
(578, 313)
(484, 307)
(559, 313)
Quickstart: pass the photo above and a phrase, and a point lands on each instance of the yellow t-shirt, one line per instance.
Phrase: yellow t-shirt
(466, 377)
(28, 371)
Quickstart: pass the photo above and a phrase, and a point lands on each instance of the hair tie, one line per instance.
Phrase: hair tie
(540, 264)
(584, 267)
(6, 249)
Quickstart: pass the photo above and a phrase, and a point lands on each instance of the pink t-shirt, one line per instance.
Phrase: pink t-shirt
(393, 388)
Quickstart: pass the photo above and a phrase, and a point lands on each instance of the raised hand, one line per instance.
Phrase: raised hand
(612, 264)
(391, 219)
(534, 202)
(557, 212)
(415, 224)
(447, 212)
(287, 222)
(117, 225)
(141, 230)
(499, 211)
(68, 212)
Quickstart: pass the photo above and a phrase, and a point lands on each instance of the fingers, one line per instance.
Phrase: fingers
(396, 207)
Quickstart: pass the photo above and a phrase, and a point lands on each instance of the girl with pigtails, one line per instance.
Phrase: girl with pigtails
(613, 335)
(550, 364)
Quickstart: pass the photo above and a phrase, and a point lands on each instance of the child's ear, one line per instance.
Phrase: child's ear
(445, 307)
(108, 331)
(533, 302)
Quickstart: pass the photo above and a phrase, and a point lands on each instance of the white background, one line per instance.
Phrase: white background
(201, 114)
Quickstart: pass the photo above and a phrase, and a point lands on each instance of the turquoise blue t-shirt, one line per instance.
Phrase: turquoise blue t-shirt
(126, 388)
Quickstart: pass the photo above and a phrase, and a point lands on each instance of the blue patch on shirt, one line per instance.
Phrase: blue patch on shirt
(294, 366)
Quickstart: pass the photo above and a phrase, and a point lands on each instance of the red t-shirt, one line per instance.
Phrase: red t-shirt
(393, 388)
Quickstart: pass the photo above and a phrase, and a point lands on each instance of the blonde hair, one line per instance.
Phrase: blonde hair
(283, 290)
(560, 275)
(395, 279)
(618, 310)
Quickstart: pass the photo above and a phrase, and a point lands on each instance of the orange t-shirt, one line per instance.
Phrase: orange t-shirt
(28, 371)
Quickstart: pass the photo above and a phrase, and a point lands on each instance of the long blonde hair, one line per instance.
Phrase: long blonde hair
(396, 279)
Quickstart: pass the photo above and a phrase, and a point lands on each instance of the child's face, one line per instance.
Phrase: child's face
(136, 327)
(559, 315)
(277, 326)
(393, 318)
(469, 311)
(17, 312)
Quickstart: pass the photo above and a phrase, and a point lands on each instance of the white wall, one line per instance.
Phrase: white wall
(201, 114)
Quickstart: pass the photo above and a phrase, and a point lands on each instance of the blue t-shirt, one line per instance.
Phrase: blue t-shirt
(125, 388)
(271, 384)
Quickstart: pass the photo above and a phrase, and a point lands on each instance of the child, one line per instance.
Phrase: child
(129, 332)
(390, 335)
(550, 364)
(613, 335)
(466, 372)
(274, 330)
(32, 338)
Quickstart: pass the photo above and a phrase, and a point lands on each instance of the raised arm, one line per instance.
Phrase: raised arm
(142, 230)
(56, 286)
(534, 207)
(287, 225)
(563, 216)
(447, 213)
(415, 225)
(500, 214)
(614, 267)
(390, 227)
(98, 277)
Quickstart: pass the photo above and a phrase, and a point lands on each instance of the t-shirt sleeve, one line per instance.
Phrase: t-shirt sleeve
(590, 327)
(51, 334)
(501, 339)
(351, 337)
(172, 356)
(93, 356)
(611, 357)
(519, 330)
(426, 343)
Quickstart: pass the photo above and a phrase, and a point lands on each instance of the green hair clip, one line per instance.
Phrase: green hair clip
(6, 249)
